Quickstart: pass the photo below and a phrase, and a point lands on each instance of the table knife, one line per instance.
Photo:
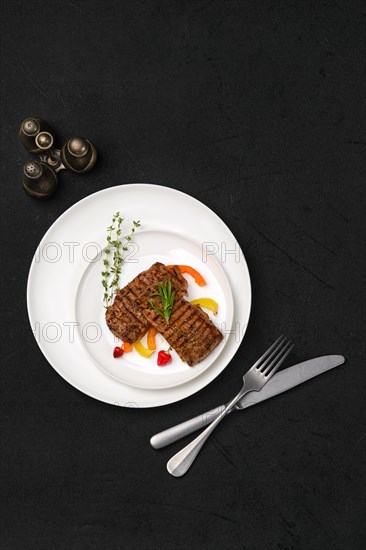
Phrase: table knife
(280, 382)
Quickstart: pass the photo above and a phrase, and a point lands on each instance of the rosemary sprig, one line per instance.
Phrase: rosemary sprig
(119, 247)
(166, 296)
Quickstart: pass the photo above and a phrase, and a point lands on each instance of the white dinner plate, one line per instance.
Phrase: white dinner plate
(149, 247)
(64, 293)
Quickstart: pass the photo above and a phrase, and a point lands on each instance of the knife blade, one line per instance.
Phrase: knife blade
(279, 383)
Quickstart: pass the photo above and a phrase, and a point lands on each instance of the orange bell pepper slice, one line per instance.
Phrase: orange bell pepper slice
(151, 333)
(127, 347)
(192, 272)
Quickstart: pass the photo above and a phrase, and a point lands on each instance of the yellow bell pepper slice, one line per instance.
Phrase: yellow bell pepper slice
(144, 352)
(207, 303)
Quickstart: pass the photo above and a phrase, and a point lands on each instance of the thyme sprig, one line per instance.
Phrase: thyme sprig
(166, 295)
(113, 264)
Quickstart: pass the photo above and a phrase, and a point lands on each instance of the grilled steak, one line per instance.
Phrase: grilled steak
(190, 332)
(125, 318)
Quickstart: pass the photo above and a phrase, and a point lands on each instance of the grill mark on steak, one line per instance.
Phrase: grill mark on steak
(185, 330)
(205, 336)
(121, 322)
(174, 333)
(178, 320)
(199, 332)
(129, 302)
(193, 340)
(125, 317)
(201, 339)
(162, 275)
(195, 327)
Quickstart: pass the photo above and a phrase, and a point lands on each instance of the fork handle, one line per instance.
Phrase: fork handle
(180, 463)
(174, 433)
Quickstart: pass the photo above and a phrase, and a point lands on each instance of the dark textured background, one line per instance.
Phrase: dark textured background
(254, 108)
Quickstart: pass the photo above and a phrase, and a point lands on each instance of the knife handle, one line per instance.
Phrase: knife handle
(175, 433)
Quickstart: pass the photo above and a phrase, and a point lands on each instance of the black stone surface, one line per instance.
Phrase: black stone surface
(254, 108)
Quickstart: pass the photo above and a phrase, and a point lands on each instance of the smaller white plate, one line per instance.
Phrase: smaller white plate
(132, 369)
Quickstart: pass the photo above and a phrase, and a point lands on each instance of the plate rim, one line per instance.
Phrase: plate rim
(88, 391)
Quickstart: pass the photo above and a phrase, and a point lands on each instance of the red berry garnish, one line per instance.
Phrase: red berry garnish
(118, 352)
(164, 358)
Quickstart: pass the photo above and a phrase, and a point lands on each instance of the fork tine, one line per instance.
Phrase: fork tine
(277, 361)
(272, 355)
(280, 339)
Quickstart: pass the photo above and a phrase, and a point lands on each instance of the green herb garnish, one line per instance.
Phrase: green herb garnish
(112, 269)
(166, 296)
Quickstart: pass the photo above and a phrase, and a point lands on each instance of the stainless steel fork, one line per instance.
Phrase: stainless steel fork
(253, 380)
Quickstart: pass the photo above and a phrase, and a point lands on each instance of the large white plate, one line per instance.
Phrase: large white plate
(64, 271)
